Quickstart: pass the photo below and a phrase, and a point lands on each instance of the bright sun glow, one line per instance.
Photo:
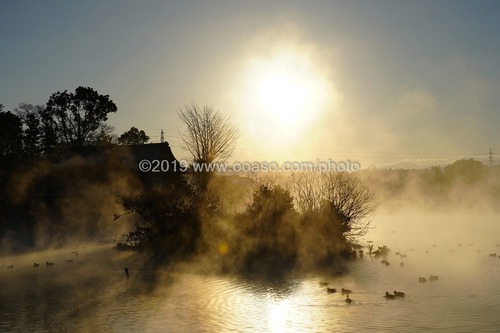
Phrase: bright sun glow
(278, 313)
(286, 94)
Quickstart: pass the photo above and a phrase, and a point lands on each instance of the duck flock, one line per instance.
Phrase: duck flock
(382, 251)
(347, 292)
(48, 263)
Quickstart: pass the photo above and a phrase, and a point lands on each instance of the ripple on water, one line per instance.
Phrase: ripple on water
(464, 299)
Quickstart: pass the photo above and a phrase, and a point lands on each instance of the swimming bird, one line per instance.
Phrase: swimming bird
(387, 263)
(401, 263)
(433, 277)
(346, 291)
(389, 296)
(323, 284)
(10, 266)
(422, 279)
(35, 264)
(348, 300)
(331, 290)
(49, 263)
(399, 293)
(493, 254)
(69, 260)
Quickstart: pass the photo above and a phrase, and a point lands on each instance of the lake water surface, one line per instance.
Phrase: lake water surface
(92, 294)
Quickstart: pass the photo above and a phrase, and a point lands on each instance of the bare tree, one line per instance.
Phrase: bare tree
(209, 136)
(351, 201)
(308, 191)
(341, 196)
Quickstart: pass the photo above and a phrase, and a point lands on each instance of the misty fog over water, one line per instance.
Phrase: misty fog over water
(89, 292)
(258, 166)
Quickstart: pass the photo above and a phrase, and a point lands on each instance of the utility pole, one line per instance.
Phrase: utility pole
(162, 137)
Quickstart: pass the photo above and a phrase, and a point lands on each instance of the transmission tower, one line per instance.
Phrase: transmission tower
(490, 158)
(162, 136)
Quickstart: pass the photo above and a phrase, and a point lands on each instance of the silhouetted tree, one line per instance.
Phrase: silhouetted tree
(76, 117)
(209, 136)
(339, 197)
(169, 225)
(270, 203)
(467, 171)
(133, 136)
(50, 139)
(350, 201)
(105, 136)
(307, 191)
(269, 243)
(10, 134)
(30, 116)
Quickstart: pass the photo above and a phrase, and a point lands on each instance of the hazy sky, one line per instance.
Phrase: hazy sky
(374, 81)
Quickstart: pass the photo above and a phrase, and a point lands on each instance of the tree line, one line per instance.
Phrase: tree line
(306, 221)
(67, 120)
(463, 184)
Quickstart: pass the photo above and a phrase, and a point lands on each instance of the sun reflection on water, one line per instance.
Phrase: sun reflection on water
(278, 315)
(465, 297)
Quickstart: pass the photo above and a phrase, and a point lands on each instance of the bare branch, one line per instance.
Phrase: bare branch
(344, 196)
(209, 136)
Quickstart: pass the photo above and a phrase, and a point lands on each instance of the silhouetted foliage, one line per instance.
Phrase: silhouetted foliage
(32, 129)
(468, 171)
(270, 203)
(10, 135)
(133, 136)
(76, 117)
(169, 225)
(50, 137)
(105, 136)
(268, 230)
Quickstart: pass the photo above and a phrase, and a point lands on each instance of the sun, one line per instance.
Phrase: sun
(282, 95)
(285, 95)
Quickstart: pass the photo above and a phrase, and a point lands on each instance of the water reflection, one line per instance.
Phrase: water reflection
(93, 295)
(277, 313)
